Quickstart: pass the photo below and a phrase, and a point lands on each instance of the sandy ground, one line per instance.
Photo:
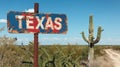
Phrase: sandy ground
(114, 56)
(110, 59)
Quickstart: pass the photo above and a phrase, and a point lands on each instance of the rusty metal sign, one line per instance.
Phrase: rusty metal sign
(24, 22)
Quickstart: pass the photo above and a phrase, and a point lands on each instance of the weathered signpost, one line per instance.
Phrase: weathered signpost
(26, 22)
(36, 10)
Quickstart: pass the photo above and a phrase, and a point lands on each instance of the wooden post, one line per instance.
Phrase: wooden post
(36, 10)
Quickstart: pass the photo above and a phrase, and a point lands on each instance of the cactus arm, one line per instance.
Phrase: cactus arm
(83, 36)
(98, 35)
(91, 27)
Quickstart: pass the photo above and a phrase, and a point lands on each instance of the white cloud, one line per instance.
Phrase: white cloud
(3, 20)
(78, 40)
(30, 10)
(23, 40)
(110, 41)
(66, 40)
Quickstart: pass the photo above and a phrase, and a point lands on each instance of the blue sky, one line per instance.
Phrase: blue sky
(106, 14)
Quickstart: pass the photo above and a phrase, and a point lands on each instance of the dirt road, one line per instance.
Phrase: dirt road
(110, 59)
(114, 57)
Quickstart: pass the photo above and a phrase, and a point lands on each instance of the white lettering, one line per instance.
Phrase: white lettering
(49, 23)
(19, 17)
(29, 22)
(58, 25)
(52, 24)
(40, 22)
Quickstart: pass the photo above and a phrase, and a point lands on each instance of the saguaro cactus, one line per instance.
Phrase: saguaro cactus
(91, 40)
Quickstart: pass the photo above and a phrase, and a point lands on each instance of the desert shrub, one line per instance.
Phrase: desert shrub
(10, 54)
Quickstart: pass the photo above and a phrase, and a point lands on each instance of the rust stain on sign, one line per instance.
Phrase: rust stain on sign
(23, 22)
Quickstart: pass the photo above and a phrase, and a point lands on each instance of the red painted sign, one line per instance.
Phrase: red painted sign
(22, 22)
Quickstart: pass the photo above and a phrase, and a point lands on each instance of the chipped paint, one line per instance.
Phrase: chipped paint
(24, 22)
